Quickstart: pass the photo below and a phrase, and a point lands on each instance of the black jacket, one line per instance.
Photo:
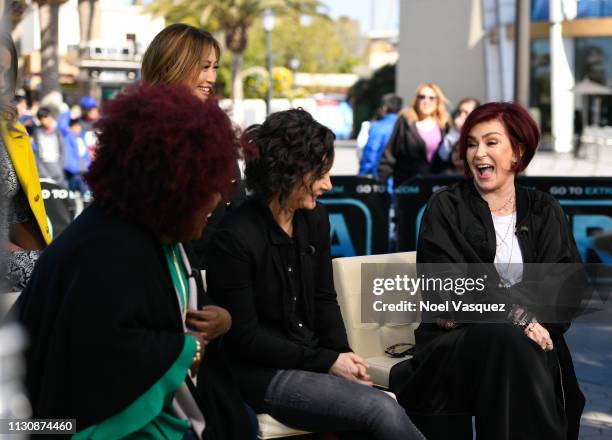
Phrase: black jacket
(405, 154)
(457, 227)
(105, 325)
(248, 275)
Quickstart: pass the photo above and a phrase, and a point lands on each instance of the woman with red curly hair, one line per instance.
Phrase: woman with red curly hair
(109, 304)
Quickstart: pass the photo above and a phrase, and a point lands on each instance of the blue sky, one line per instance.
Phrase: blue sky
(386, 12)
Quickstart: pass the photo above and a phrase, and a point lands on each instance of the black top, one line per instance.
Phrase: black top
(405, 154)
(457, 227)
(105, 325)
(249, 274)
(230, 201)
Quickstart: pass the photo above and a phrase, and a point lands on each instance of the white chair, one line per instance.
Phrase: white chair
(370, 340)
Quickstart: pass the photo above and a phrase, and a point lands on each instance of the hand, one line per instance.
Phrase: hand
(210, 322)
(351, 367)
(539, 335)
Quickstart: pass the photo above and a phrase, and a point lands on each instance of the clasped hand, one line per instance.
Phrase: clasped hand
(210, 322)
(352, 367)
(537, 333)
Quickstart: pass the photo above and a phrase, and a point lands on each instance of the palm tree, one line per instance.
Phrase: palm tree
(233, 17)
(48, 11)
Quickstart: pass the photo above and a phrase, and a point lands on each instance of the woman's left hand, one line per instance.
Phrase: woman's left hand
(537, 333)
(211, 321)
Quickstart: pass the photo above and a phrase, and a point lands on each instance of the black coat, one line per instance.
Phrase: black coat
(457, 227)
(248, 275)
(105, 325)
(405, 154)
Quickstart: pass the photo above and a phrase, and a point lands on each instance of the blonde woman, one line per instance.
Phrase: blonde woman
(416, 136)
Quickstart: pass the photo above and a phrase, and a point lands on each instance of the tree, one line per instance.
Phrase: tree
(233, 17)
(367, 93)
(321, 46)
(49, 57)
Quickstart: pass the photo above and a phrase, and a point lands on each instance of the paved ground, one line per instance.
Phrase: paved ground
(591, 344)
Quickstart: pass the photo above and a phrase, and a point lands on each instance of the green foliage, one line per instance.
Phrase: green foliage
(366, 94)
(256, 83)
(323, 46)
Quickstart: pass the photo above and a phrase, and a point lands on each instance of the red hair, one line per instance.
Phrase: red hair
(522, 130)
(162, 155)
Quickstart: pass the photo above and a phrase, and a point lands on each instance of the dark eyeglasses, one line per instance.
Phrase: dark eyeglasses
(431, 98)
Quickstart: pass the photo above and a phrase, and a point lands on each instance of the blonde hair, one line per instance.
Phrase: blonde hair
(175, 54)
(441, 115)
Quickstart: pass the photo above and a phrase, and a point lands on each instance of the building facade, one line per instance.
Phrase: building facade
(467, 47)
(100, 65)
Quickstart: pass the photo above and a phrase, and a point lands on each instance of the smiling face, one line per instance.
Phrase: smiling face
(203, 80)
(427, 102)
(304, 196)
(490, 156)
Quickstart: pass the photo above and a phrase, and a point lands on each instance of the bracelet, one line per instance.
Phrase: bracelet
(197, 357)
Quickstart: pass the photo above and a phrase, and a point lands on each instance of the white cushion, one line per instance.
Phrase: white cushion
(379, 368)
(269, 427)
(370, 340)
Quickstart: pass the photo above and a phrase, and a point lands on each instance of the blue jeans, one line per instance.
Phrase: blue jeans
(319, 402)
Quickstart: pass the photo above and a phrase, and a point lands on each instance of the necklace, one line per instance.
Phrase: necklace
(183, 289)
(504, 275)
(502, 240)
(509, 201)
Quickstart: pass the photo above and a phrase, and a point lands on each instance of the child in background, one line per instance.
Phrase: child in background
(48, 147)
(77, 157)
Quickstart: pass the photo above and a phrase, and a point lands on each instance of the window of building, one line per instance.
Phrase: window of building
(539, 88)
(594, 61)
(586, 9)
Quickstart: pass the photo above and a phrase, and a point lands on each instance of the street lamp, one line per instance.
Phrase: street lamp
(294, 64)
(268, 20)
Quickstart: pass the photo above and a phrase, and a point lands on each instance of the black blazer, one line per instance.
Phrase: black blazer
(105, 325)
(247, 275)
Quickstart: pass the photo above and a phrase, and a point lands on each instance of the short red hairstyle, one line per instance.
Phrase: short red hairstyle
(519, 125)
(162, 155)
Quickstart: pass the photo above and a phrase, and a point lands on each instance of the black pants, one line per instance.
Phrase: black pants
(492, 372)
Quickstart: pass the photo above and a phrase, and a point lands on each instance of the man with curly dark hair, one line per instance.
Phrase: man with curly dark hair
(270, 266)
(109, 309)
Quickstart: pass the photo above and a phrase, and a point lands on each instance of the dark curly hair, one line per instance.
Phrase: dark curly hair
(288, 146)
(162, 156)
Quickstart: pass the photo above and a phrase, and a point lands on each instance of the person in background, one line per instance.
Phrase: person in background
(77, 157)
(24, 114)
(184, 54)
(48, 147)
(416, 136)
(270, 266)
(109, 308)
(26, 229)
(90, 113)
(444, 160)
(379, 134)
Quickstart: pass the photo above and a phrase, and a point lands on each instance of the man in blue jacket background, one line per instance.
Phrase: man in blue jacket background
(379, 134)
